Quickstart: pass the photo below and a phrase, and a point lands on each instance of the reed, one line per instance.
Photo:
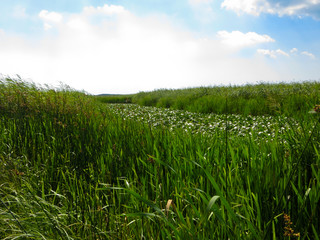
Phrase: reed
(74, 168)
(287, 99)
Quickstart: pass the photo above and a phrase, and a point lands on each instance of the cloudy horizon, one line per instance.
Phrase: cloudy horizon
(131, 46)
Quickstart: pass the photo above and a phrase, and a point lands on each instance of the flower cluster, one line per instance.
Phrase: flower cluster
(265, 128)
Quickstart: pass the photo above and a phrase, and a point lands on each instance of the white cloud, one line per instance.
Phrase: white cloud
(106, 9)
(239, 39)
(253, 7)
(283, 53)
(279, 52)
(293, 50)
(50, 16)
(127, 54)
(272, 53)
(77, 23)
(308, 54)
(279, 7)
(267, 52)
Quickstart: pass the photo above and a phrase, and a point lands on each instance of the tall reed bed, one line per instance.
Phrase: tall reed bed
(272, 99)
(115, 98)
(71, 168)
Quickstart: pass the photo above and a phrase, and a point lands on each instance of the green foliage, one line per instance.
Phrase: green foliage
(114, 98)
(261, 99)
(74, 168)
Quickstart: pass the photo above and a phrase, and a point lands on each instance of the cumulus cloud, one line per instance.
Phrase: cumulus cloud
(272, 53)
(267, 52)
(110, 50)
(253, 7)
(298, 8)
(279, 52)
(50, 18)
(239, 39)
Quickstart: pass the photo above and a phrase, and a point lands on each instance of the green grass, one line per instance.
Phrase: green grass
(114, 98)
(74, 168)
(260, 99)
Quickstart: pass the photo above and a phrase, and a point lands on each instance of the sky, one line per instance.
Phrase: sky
(129, 46)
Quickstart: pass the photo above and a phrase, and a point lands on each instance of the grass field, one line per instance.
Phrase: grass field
(72, 167)
(260, 99)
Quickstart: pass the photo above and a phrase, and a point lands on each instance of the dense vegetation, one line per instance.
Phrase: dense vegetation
(289, 99)
(74, 168)
(114, 98)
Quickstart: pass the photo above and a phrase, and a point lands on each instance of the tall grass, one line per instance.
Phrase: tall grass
(72, 169)
(272, 99)
(115, 98)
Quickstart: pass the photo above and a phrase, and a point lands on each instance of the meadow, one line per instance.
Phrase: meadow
(73, 167)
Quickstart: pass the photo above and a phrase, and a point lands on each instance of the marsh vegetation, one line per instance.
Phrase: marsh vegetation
(234, 163)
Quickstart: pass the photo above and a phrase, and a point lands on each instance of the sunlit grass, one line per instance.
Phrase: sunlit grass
(73, 168)
(288, 99)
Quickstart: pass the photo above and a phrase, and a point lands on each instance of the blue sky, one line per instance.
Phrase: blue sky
(127, 46)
